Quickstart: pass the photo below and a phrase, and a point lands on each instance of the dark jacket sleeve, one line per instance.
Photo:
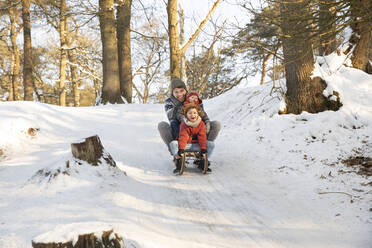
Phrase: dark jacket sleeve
(169, 109)
(173, 110)
(178, 113)
(206, 119)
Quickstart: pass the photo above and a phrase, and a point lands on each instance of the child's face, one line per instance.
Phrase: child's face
(193, 98)
(192, 115)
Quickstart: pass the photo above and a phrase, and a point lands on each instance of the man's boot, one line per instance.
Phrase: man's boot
(178, 163)
(200, 164)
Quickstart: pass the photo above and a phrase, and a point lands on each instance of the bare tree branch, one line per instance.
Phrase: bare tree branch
(146, 36)
(197, 31)
(10, 6)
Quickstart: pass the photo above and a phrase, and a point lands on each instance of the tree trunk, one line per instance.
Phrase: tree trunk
(327, 23)
(91, 150)
(173, 39)
(97, 88)
(182, 40)
(369, 65)
(27, 52)
(146, 92)
(264, 63)
(63, 29)
(111, 82)
(74, 77)
(10, 81)
(362, 34)
(123, 34)
(13, 96)
(303, 93)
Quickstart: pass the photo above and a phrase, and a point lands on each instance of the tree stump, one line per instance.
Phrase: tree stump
(109, 239)
(91, 150)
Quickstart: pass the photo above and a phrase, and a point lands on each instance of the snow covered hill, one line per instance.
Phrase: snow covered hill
(277, 180)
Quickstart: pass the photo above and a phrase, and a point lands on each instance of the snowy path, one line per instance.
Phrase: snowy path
(246, 202)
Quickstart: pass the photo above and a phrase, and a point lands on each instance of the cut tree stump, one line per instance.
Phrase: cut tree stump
(109, 239)
(91, 150)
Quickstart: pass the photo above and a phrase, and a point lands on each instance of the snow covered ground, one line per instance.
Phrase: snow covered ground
(273, 182)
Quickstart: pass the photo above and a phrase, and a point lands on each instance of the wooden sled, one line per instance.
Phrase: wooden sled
(192, 156)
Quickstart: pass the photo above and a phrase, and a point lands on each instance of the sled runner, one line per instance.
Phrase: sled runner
(188, 156)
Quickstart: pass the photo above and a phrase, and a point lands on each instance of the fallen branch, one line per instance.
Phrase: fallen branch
(337, 192)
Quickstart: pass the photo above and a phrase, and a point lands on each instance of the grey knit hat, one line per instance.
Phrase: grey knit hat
(177, 83)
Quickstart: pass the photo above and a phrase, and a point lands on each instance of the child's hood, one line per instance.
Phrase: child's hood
(193, 93)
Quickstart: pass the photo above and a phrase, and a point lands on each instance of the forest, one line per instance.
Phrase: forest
(185, 123)
(126, 51)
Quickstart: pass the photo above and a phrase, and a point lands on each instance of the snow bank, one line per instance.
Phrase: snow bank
(273, 182)
(14, 135)
(254, 110)
(305, 144)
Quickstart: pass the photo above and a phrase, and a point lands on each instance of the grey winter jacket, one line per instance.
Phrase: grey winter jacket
(173, 108)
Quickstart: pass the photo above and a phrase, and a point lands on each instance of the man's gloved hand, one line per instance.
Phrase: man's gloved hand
(180, 152)
(203, 151)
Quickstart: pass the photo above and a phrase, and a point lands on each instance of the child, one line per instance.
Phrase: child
(193, 97)
(193, 136)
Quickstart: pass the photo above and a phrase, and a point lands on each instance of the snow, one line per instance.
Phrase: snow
(277, 180)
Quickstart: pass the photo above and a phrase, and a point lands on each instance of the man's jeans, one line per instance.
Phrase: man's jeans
(175, 127)
(191, 147)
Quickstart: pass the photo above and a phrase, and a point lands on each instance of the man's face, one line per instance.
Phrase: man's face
(179, 94)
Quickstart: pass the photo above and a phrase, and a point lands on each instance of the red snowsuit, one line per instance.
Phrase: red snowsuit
(189, 134)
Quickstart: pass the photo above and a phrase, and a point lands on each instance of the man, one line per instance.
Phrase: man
(173, 108)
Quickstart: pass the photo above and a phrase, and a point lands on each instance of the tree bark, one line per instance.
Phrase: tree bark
(91, 150)
(124, 49)
(303, 93)
(362, 34)
(111, 82)
(369, 65)
(27, 52)
(13, 87)
(63, 29)
(173, 39)
(327, 22)
(74, 77)
(97, 88)
(264, 63)
(182, 40)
